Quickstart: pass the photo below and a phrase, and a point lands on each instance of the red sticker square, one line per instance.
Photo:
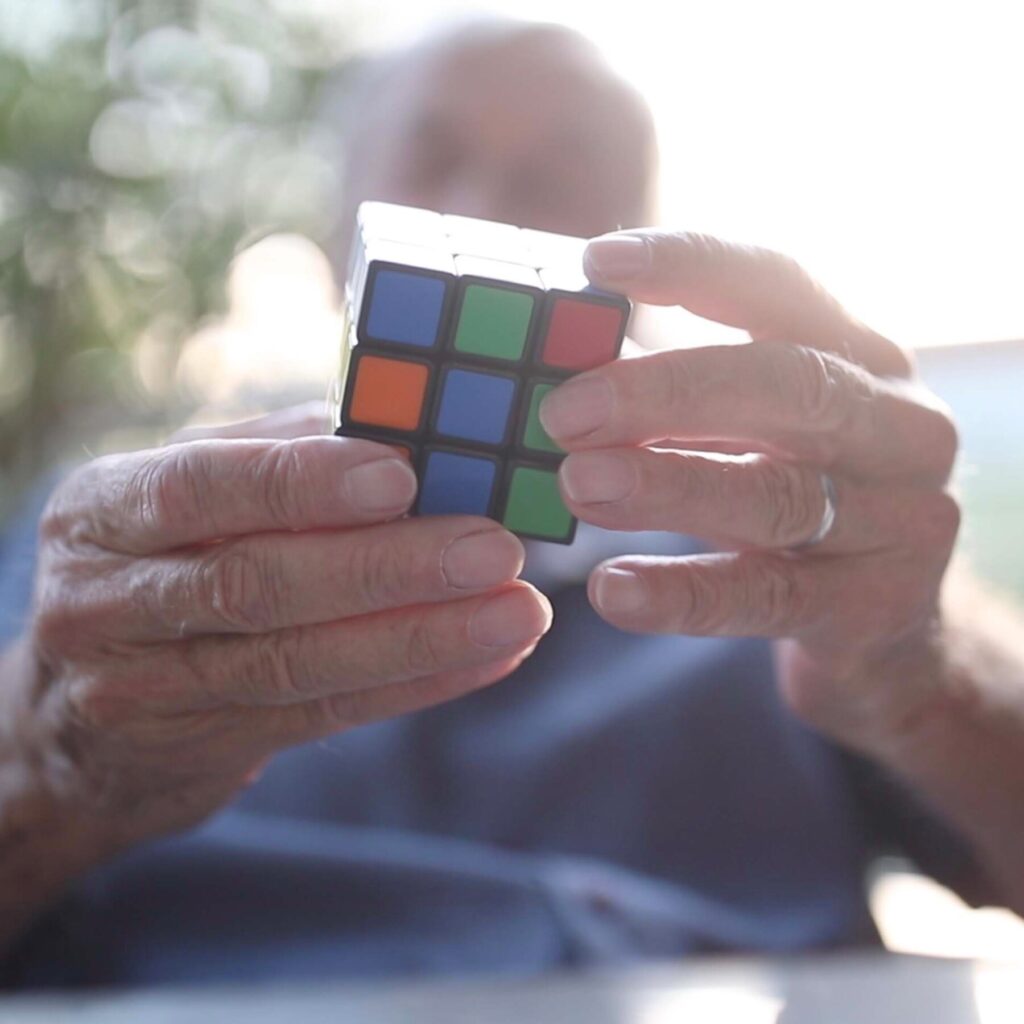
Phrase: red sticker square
(582, 335)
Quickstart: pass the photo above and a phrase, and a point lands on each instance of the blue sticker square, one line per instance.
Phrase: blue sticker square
(405, 308)
(455, 484)
(475, 406)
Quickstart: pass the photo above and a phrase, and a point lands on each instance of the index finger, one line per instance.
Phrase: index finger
(794, 401)
(763, 292)
(198, 491)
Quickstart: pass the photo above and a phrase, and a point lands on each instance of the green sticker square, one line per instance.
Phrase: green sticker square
(535, 505)
(494, 322)
(534, 434)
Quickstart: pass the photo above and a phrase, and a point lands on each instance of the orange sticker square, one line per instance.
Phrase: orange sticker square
(389, 392)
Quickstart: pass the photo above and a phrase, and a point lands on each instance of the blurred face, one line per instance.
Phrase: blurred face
(531, 131)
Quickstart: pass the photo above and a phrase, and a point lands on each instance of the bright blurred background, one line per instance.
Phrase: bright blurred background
(165, 181)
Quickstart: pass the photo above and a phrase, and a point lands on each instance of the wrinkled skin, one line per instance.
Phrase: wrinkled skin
(203, 605)
(815, 392)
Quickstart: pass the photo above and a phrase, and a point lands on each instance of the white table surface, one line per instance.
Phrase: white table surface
(862, 989)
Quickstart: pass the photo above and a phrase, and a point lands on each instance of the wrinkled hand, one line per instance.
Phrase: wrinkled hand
(728, 442)
(203, 605)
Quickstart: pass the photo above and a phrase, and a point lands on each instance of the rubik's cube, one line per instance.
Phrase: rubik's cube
(457, 328)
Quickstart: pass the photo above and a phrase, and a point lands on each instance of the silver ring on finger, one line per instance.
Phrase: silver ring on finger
(828, 516)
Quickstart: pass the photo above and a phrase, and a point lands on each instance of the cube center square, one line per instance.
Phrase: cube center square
(581, 334)
(387, 392)
(456, 330)
(474, 405)
(405, 308)
(494, 322)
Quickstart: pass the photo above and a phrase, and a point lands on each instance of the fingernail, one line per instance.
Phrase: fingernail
(617, 257)
(383, 485)
(619, 591)
(597, 477)
(511, 619)
(482, 560)
(576, 407)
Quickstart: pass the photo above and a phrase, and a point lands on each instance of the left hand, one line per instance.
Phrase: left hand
(728, 443)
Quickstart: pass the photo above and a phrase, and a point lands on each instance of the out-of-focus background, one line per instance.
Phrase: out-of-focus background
(167, 172)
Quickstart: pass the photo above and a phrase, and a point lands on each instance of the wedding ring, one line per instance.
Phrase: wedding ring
(828, 516)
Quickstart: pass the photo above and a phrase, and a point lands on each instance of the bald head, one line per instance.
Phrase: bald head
(505, 120)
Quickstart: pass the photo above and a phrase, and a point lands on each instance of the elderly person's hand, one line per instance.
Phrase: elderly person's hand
(730, 443)
(202, 605)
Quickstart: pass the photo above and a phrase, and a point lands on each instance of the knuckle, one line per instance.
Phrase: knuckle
(422, 650)
(813, 388)
(203, 670)
(279, 472)
(775, 590)
(93, 706)
(239, 589)
(379, 573)
(784, 495)
(697, 603)
(282, 661)
(268, 669)
(76, 510)
(167, 484)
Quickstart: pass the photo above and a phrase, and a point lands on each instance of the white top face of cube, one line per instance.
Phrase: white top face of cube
(513, 273)
(566, 278)
(410, 255)
(392, 223)
(551, 250)
(500, 249)
(472, 227)
(468, 236)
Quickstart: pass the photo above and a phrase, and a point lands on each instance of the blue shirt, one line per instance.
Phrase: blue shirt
(619, 797)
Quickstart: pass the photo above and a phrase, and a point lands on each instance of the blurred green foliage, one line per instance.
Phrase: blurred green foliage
(141, 144)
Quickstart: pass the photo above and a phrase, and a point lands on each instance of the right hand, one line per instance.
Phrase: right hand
(203, 605)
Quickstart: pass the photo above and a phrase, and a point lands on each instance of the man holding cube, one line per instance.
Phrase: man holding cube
(705, 754)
